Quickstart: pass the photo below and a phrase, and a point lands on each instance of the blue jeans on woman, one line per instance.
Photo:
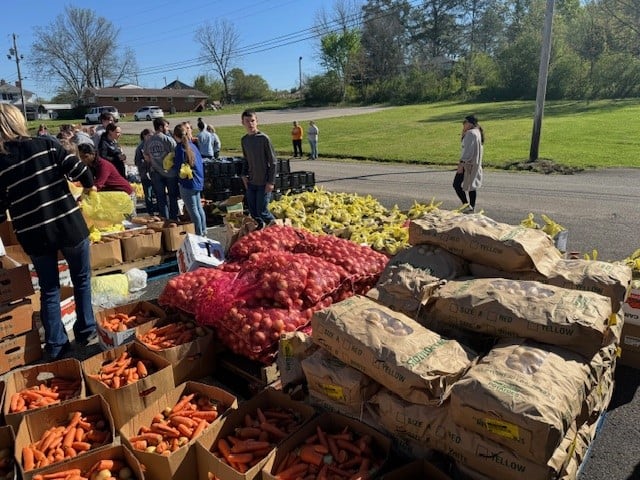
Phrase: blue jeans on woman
(167, 193)
(258, 202)
(46, 267)
(192, 203)
(314, 149)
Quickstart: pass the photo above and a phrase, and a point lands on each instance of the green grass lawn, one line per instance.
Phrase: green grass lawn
(576, 134)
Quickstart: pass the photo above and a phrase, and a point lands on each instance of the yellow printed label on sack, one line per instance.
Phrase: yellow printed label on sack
(287, 349)
(613, 319)
(334, 392)
(504, 429)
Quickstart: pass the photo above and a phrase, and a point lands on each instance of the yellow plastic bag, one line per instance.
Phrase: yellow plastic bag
(167, 161)
(104, 208)
(185, 171)
(110, 290)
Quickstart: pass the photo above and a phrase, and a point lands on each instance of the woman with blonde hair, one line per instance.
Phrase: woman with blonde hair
(47, 219)
(188, 162)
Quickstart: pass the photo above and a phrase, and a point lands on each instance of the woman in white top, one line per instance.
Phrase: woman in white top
(312, 136)
(469, 173)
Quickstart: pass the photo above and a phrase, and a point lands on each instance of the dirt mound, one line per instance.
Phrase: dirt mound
(543, 165)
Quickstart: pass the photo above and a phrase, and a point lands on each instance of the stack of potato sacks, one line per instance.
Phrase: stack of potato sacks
(482, 342)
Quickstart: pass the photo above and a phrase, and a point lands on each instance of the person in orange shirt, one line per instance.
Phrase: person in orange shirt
(296, 138)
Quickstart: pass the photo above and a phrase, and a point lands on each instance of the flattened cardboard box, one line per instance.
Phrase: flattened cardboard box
(125, 402)
(15, 280)
(180, 464)
(68, 368)
(34, 425)
(268, 398)
(106, 253)
(108, 339)
(20, 350)
(191, 360)
(16, 318)
(88, 460)
(7, 441)
(330, 423)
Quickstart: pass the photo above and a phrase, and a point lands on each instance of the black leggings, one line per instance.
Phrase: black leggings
(457, 186)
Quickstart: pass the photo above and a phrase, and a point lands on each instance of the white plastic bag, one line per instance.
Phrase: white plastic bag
(137, 279)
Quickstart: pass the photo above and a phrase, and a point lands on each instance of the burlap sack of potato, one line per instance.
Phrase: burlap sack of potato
(397, 352)
(522, 395)
(329, 376)
(480, 239)
(403, 419)
(512, 308)
(609, 279)
(489, 459)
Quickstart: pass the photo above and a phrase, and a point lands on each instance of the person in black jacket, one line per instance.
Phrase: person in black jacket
(47, 219)
(109, 149)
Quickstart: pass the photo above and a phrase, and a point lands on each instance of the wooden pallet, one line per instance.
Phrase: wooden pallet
(142, 264)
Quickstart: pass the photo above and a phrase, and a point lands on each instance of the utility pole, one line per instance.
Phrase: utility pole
(13, 52)
(300, 72)
(543, 72)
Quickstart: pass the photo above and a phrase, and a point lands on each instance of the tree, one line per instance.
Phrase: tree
(247, 87)
(209, 85)
(220, 44)
(80, 50)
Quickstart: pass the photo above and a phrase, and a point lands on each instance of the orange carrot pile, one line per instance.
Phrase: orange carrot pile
(256, 438)
(6, 463)
(47, 393)
(324, 456)
(82, 433)
(107, 468)
(171, 335)
(175, 427)
(122, 371)
(119, 322)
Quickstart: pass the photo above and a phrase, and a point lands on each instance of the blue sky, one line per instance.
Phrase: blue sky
(275, 33)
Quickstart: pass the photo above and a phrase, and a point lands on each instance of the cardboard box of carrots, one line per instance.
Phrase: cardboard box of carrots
(162, 435)
(117, 325)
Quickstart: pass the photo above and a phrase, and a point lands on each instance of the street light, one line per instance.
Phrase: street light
(13, 52)
(300, 71)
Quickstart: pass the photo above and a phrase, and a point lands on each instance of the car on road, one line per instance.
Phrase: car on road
(93, 115)
(148, 113)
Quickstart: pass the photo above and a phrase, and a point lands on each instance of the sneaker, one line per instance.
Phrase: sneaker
(88, 340)
(65, 352)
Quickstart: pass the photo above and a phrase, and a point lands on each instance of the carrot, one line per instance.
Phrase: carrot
(150, 438)
(249, 446)
(225, 450)
(142, 370)
(299, 469)
(28, 460)
(62, 474)
(350, 447)
(248, 432)
(322, 437)
(184, 430)
(240, 457)
(69, 437)
(81, 446)
(200, 428)
(209, 415)
(164, 429)
(273, 430)
(183, 402)
(309, 455)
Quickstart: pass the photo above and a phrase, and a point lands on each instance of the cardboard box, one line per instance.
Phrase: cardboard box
(174, 233)
(631, 306)
(106, 253)
(630, 346)
(8, 234)
(196, 252)
(125, 402)
(20, 350)
(35, 424)
(191, 360)
(181, 463)
(88, 460)
(268, 398)
(17, 381)
(140, 246)
(416, 469)
(331, 423)
(7, 441)
(109, 339)
(16, 318)
(15, 281)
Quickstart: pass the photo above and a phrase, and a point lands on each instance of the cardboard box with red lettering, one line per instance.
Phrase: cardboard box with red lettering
(630, 341)
(126, 401)
(68, 370)
(180, 463)
(20, 350)
(141, 310)
(34, 425)
(268, 399)
(196, 252)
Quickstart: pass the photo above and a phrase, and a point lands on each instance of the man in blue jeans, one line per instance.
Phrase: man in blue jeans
(259, 169)
(164, 181)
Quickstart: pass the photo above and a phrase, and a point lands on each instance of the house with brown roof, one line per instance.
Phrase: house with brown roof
(129, 98)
